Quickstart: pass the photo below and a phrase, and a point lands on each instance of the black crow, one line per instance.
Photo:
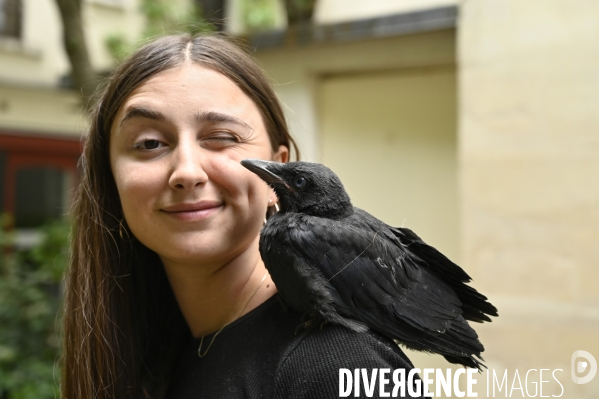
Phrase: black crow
(339, 264)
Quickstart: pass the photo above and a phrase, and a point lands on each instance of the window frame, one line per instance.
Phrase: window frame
(35, 150)
(12, 11)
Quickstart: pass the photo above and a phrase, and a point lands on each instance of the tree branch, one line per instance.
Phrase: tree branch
(82, 72)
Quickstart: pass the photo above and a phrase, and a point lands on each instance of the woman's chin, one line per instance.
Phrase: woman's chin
(197, 251)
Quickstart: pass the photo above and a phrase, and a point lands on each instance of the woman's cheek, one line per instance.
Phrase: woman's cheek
(137, 183)
(228, 173)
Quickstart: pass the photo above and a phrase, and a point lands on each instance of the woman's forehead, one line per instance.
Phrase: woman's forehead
(188, 77)
(191, 88)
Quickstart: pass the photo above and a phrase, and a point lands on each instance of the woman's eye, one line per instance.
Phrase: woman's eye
(299, 182)
(223, 137)
(148, 144)
(220, 140)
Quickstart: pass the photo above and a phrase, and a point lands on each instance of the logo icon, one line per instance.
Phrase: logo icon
(579, 366)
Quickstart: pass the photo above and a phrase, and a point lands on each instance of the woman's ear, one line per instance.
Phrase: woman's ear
(282, 155)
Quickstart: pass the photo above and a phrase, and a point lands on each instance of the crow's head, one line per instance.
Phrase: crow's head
(310, 188)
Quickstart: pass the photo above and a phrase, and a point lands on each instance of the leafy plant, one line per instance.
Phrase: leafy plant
(162, 17)
(258, 14)
(30, 299)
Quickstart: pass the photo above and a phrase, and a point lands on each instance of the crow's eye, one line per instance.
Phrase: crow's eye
(299, 182)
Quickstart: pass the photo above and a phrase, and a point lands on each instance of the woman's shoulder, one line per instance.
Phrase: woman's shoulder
(319, 360)
(339, 346)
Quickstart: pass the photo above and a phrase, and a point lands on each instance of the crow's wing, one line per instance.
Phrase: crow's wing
(301, 285)
(374, 279)
(475, 306)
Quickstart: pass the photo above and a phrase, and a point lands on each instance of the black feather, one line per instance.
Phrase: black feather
(339, 264)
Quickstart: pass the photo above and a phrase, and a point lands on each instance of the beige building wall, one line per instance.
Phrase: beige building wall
(31, 67)
(529, 159)
(37, 57)
(391, 138)
(297, 71)
(333, 11)
(42, 110)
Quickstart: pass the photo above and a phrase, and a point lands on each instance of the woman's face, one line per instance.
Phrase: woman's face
(175, 148)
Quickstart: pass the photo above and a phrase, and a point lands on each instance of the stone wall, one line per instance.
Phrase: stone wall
(529, 183)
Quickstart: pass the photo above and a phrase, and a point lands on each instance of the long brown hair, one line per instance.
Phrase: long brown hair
(122, 327)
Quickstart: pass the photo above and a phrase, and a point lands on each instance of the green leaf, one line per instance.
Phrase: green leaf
(30, 300)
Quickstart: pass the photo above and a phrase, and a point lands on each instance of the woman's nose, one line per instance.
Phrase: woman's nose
(187, 170)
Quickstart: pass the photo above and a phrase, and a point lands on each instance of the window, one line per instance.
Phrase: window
(41, 193)
(37, 177)
(10, 18)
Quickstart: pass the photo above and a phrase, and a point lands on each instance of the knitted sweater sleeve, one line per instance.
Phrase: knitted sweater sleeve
(311, 369)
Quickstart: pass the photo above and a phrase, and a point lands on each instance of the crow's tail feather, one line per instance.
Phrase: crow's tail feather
(475, 306)
(474, 362)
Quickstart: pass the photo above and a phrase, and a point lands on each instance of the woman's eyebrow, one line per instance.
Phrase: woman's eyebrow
(218, 117)
(133, 112)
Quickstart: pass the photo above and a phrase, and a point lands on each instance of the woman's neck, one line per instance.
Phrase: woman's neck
(212, 296)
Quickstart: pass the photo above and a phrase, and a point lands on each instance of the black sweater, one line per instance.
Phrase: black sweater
(260, 356)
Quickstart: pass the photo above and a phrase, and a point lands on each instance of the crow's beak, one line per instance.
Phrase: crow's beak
(262, 169)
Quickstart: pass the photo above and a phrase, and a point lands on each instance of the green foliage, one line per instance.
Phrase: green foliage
(117, 46)
(258, 15)
(30, 300)
(162, 17)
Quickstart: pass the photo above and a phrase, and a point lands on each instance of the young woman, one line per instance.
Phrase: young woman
(166, 293)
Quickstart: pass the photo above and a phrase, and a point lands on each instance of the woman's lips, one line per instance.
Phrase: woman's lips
(192, 211)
